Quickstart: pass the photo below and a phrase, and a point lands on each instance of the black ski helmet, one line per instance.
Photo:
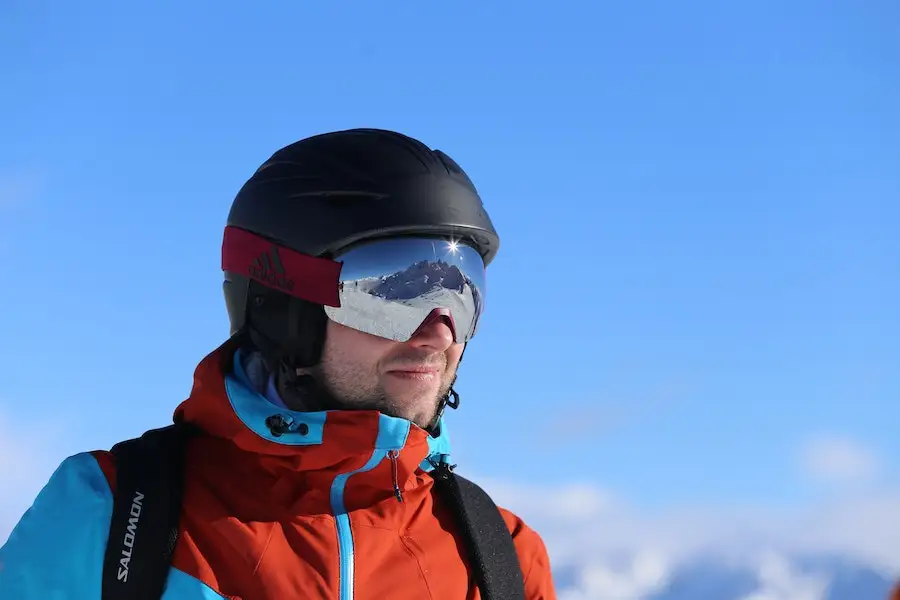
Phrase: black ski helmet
(327, 192)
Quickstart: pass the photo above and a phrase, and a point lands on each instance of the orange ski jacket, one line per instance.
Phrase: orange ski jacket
(340, 506)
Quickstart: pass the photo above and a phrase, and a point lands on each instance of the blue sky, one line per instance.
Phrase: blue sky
(698, 203)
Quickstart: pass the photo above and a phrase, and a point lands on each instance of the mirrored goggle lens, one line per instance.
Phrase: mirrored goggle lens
(391, 288)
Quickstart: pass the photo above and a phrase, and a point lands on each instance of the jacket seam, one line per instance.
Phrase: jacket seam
(530, 569)
(418, 564)
(262, 555)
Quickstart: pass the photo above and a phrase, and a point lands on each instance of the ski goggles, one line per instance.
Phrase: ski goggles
(390, 288)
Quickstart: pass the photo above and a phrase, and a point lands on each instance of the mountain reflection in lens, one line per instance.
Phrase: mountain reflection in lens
(389, 288)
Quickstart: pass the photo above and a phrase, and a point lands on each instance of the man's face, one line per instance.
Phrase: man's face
(401, 379)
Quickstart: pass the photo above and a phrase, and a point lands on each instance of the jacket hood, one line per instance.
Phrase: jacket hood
(224, 404)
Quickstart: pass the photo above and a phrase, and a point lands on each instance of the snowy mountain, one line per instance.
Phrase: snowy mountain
(415, 281)
(602, 547)
(770, 578)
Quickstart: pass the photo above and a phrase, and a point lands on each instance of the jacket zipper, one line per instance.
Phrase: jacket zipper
(393, 454)
(342, 518)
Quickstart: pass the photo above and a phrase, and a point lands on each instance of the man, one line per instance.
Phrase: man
(354, 269)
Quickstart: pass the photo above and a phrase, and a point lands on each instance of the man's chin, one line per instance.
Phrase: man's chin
(418, 410)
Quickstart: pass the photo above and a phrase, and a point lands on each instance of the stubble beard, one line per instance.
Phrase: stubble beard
(351, 390)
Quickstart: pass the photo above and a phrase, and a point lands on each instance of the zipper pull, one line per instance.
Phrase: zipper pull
(393, 454)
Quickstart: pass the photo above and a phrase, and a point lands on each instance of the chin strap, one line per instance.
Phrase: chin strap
(451, 400)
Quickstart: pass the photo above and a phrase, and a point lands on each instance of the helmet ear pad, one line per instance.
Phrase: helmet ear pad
(278, 324)
(236, 289)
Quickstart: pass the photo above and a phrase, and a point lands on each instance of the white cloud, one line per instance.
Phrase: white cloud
(779, 580)
(641, 575)
(838, 460)
(572, 501)
(611, 551)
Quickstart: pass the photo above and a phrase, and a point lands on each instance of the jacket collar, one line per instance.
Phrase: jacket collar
(225, 404)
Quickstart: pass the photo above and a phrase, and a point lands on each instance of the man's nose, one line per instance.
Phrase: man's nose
(435, 334)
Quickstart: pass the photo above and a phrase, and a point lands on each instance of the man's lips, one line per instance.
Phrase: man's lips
(423, 373)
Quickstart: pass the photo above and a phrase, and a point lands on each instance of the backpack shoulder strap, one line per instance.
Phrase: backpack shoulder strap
(488, 541)
(146, 509)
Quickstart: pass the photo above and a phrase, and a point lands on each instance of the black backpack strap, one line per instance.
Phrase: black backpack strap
(488, 541)
(146, 510)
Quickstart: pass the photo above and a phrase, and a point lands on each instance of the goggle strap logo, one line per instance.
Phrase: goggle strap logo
(268, 269)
